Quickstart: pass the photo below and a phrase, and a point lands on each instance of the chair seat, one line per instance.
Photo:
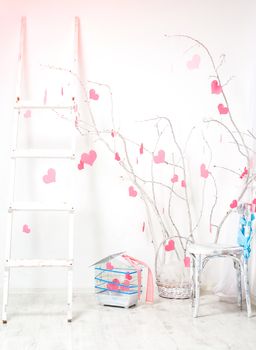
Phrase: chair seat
(214, 249)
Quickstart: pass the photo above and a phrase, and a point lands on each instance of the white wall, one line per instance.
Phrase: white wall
(122, 44)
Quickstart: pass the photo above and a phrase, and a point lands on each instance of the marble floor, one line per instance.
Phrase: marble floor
(37, 322)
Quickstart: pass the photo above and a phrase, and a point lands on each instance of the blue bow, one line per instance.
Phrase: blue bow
(245, 240)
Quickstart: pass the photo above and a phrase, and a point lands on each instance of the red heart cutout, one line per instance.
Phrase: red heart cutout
(50, 176)
(175, 178)
(222, 109)
(132, 192)
(194, 62)
(233, 204)
(204, 171)
(216, 88)
(160, 157)
(170, 246)
(89, 158)
(93, 95)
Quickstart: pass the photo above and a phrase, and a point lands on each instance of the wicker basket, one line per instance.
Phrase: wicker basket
(180, 286)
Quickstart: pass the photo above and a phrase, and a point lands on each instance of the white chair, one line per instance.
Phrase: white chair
(200, 254)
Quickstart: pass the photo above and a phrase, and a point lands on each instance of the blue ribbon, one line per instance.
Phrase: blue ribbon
(245, 240)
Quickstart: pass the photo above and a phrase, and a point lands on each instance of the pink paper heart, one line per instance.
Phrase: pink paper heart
(170, 246)
(254, 201)
(183, 183)
(194, 62)
(132, 192)
(233, 204)
(27, 114)
(26, 229)
(93, 95)
(204, 172)
(160, 157)
(81, 165)
(109, 266)
(128, 276)
(117, 157)
(187, 261)
(175, 178)
(215, 87)
(141, 148)
(50, 176)
(222, 109)
(89, 158)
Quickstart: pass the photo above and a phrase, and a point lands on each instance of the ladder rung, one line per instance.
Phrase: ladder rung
(43, 153)
(39, 263)
(37, 206)
(33, 105)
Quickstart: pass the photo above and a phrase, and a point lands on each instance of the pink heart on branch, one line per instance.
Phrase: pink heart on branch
(204, 172)
(132, 192)
(175, 178)
(117, 157)
(215, 87)
(194, 62)
(170, 246)
(89, 158)
(160, 157)
(109, 266)
(50, 176)
(93, 95)
(222, 109)
(233, 205)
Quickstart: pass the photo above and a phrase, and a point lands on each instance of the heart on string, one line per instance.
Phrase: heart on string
(62, 91)
(128, 276)
(204, 172)
(187, 261)
(143, 226)
(132, 192)
(81, 165)
(27, 114)
(233, 204)
(89, 158)
(109, 266)
(175, 178)
(254, 201)
(222, 109)
(216, 88)
(183, 183)
(113, 133)
(50, 176)
(93, 95)
(160, 157)
(26, 229)
(117, 157)
(141, 148)
(170, 246)
(194, 62)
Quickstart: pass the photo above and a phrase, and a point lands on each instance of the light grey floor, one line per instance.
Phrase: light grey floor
(37, 322)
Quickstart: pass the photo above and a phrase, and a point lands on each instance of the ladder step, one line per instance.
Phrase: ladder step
(43, 153)
(39, 263)
(37, 206)
(33, 105)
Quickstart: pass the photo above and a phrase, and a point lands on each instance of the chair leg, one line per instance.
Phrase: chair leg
(239, 284)
(197, 284)
(247, 289)
(192, 278)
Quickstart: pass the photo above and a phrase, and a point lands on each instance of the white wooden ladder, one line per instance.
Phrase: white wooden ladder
(61, 154)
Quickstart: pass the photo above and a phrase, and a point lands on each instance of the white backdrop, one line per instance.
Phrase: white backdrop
(122, 44)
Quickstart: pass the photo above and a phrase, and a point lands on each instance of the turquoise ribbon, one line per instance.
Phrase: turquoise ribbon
(245, 240)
